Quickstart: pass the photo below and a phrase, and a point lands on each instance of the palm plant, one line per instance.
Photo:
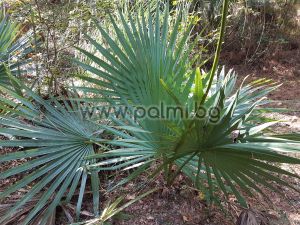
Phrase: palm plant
(112, 209)
(55, 138)
(13, 49)
(146, 64)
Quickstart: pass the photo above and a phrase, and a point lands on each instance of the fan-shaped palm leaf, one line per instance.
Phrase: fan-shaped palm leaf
(55, 139)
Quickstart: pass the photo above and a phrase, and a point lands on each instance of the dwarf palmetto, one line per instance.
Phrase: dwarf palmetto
(147, 63)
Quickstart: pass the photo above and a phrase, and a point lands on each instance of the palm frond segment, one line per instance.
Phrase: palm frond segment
(55, 140)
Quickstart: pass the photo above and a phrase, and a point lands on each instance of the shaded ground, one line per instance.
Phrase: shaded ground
(182, 205)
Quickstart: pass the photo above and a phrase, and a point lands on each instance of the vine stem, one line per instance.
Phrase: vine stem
(218, 50)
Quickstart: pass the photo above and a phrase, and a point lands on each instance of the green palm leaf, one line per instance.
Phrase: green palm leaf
(55, 138)
(13, 49)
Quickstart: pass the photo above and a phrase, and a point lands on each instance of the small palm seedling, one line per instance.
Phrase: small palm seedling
(55, 139)
(112, 209)
(147, 64)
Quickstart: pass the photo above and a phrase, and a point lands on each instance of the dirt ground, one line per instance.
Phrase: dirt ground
(182, 205)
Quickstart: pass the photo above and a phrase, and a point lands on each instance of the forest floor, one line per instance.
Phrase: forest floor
(181, 204)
